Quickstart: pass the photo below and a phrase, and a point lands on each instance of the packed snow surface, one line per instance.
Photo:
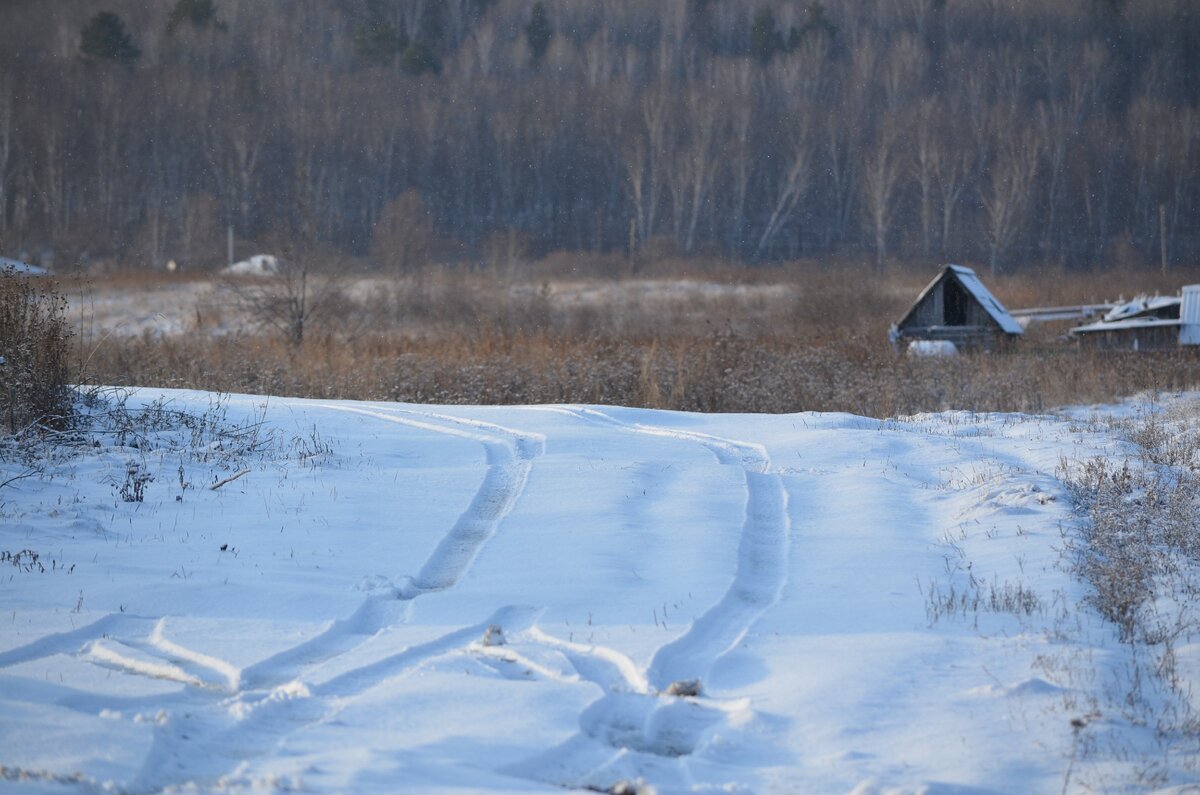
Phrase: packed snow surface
(374, 597)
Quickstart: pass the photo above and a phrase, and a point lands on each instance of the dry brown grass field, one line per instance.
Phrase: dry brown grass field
(571, 329)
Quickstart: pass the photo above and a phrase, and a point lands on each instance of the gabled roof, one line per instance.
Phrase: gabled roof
(970, 282)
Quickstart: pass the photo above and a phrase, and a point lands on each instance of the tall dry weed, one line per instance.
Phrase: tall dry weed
(34, 352)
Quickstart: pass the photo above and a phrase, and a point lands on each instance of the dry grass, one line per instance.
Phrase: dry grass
(34, 352)
(1139, 550)
(713, 338)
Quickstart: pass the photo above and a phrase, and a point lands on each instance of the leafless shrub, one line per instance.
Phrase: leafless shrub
(1141, 535)
(290, 302)
(34, 352)
(133, 488)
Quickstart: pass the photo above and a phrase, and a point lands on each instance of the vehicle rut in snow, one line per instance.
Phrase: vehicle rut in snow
(219, 737)
(762, 560)
(635, 729)
(228, 714)
(510, 456)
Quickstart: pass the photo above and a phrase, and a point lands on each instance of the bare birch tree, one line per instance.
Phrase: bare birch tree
(1005, 191)
(880, 185)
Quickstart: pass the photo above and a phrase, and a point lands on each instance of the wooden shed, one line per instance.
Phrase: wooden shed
(1160, 323)
(957, 308)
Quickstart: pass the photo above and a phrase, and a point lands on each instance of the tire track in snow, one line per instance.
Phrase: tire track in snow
(634, 730)
(71, 642)
(202, 746)
(160, 658)
(272, 703)
(631, 731)
(762, 559)
(235, 713)
(509, 454)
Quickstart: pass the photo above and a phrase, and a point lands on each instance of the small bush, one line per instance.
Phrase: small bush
(34, 351)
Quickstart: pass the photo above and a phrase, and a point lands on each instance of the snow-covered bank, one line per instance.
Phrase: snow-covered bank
(303, 599)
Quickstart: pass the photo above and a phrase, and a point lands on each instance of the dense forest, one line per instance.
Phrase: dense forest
(1014, 133)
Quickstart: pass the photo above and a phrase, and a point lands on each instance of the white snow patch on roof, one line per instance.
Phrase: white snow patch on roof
(1129, 323)
(975, 287)
(1140, 304)
(16, 266)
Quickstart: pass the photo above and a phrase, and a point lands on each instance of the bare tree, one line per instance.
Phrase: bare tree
(1005, 192)
(295, 297)
(926, 162)
(6, 150)
(880, 185)
(610, 128)
(793, 186)
(403, 238)
(645, 160)
(693, 166)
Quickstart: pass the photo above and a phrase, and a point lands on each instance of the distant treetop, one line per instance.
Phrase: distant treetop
(104, 38)
(198, 13)
(538, 32)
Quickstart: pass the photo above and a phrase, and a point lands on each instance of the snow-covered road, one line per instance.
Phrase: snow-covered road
(465, 599)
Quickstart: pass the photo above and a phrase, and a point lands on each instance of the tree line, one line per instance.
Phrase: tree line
(1012, 133)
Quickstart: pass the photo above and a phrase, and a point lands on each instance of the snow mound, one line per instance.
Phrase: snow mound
(923, 348)
(258, 265)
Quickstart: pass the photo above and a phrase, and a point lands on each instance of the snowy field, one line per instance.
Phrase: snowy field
(208, 306)
(250, 594)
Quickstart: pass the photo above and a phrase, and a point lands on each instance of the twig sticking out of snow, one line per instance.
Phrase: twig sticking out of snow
(229, 479)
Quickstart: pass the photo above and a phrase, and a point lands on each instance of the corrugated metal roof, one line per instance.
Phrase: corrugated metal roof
(971, 282)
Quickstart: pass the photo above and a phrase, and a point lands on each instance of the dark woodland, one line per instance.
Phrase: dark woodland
(1015, 134)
